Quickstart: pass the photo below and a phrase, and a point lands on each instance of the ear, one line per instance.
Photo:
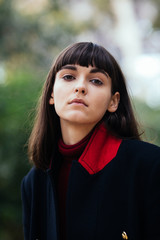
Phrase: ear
(51, 100)
(114, 102)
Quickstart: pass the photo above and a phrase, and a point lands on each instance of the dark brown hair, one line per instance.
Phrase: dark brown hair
(46, 130)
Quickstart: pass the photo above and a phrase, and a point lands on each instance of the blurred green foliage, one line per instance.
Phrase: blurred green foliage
(17, 97)
(28, 44)
(149, 119)
(35, 36)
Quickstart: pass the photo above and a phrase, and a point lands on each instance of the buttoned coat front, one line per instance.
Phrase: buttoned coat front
(113, 193)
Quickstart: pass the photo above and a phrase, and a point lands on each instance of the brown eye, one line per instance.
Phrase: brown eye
(68, 77)
(96, 82)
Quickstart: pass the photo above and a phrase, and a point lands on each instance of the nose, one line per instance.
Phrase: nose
(81, 89)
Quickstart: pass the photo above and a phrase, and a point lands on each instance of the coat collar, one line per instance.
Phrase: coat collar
(100, 150)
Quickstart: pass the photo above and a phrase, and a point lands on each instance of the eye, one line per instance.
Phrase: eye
(96, 82)
(68, 77)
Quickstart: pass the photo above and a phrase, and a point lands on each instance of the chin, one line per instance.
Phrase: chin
(80, 118)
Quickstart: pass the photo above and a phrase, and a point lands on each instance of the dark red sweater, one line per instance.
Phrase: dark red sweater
(69, 153)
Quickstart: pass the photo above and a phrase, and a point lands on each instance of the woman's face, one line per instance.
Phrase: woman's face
(81, 95)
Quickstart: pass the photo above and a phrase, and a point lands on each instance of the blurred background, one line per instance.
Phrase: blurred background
(32, 33)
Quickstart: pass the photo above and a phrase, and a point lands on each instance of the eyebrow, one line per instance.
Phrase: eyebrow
(98, 70)
(94, 70)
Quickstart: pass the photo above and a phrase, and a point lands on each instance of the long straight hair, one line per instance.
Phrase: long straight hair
(46, 131)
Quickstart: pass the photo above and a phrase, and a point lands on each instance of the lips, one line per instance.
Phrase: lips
(78, 101)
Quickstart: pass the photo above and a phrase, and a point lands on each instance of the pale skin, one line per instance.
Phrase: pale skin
(81, 96)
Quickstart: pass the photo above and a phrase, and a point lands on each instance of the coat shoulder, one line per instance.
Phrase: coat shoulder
(141, 152)
(141, 147)
(32, 178)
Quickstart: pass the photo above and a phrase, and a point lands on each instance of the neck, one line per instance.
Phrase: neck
(72, 134)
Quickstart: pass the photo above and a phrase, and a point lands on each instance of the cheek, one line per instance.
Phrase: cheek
(60, 90)
(103, 102)
(58, 93)
(57, 97)
(60, 98)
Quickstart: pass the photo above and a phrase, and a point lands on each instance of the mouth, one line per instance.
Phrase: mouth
(79, 102)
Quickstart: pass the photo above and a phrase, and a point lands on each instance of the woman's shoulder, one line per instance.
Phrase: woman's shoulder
(33, 177)
(141, 152)
(141, 146)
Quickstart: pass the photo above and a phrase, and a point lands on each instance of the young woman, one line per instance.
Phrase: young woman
(93, 177)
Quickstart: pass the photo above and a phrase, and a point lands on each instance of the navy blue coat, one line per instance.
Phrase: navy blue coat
(123, 196)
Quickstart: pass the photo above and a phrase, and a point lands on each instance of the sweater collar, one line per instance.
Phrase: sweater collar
(73, 151)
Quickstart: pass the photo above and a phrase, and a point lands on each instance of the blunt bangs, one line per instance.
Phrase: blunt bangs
(86, 54)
